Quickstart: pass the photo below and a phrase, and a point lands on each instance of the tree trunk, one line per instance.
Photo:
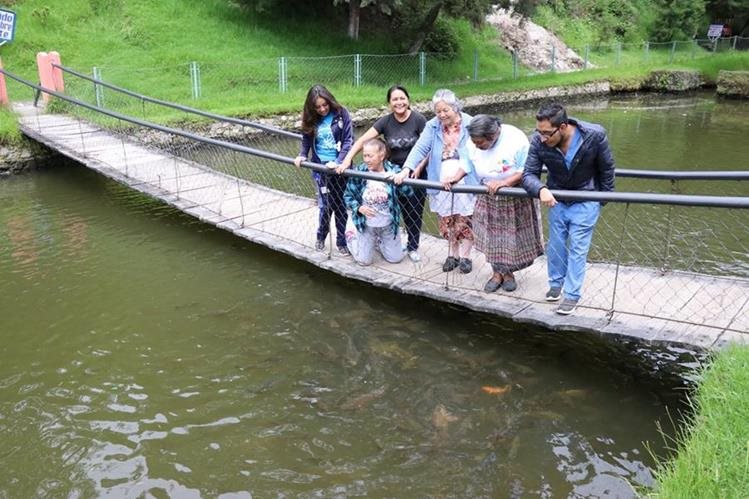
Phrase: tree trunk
(354, 8)
(425, 28)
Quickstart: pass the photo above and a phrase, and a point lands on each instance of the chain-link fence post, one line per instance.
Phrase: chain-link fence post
(195, 80)
(618, 57)
(422, 68)
(673, 52)
(715, 45)
(282, 76)
(553, 58)
(98, 89)
(587, 56)
(620, 247)
(693, 48)
(733, 45)
(647, 51)
(514, 65)
(475, 64)
(667, 243)
(357, 70)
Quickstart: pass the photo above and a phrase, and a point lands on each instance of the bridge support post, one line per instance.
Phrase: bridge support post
(54, 58)
(3, 89)
(46, 79)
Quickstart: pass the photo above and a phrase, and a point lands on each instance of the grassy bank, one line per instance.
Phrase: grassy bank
(149, 46)
(713, 458)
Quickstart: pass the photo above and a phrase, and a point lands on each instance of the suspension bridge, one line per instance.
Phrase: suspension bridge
(638, 283)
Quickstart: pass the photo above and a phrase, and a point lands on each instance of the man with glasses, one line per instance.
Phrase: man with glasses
(578, 157)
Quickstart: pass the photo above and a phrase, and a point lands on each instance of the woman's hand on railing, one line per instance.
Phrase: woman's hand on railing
(298, 161)
(400, 177)
(345, 165)
(494, 185)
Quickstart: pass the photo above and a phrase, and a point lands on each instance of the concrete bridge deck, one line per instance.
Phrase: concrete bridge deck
(677, 307)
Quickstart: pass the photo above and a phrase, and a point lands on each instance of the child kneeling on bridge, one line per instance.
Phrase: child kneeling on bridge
(374, 206)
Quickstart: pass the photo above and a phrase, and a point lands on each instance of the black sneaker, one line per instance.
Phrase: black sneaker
(553, 294)
(320, 245)
(451, 263)
(465, 265)
(567, 306)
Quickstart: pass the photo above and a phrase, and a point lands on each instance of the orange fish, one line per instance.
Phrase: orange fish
(496, 390)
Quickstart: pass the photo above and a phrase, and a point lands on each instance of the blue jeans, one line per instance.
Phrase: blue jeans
(570, 233)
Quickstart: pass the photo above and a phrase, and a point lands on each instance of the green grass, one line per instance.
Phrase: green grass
(9, 134)
(713, 458)
(147, 46)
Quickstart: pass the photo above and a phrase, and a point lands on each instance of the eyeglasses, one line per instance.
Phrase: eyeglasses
(547, 134)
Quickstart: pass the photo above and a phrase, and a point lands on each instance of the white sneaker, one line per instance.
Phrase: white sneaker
(414, 256)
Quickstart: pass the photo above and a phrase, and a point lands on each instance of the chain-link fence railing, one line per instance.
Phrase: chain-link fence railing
(662, 256)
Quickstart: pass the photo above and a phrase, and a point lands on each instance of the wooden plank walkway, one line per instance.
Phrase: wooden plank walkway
(691, 309)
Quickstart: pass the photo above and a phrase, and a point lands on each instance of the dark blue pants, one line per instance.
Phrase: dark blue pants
(412, 211)
(330, 190)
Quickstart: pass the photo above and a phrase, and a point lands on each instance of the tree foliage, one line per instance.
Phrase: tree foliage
(678, 19)
(584, 22)
(414, 21)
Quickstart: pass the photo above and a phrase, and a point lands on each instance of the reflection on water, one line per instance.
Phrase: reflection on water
(144, 353)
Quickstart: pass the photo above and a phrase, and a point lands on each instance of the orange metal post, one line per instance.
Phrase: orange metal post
(3, 89)
(45, 74)
(54, 58)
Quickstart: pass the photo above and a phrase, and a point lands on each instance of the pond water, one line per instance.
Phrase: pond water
(145, 353)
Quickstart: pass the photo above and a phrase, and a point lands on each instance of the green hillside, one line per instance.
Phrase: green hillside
(149, 47)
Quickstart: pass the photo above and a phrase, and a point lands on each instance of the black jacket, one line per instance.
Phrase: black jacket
(592, 167)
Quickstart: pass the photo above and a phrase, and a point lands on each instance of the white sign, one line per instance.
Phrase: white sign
(7, 25)
(715, 31)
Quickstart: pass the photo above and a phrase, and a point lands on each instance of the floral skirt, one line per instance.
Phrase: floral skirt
(456, 228)
(507, 230)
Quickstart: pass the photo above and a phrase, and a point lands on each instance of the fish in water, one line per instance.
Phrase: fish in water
(496, 390)
(441, 418)
(352, 353)
(361, 401)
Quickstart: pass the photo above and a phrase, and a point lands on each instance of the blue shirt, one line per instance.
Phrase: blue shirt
(577, 140)
(325, 145)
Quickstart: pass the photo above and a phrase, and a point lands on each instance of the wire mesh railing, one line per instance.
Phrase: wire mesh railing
(665, 256)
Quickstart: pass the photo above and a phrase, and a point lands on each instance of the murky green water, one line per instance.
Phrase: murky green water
(144, 353)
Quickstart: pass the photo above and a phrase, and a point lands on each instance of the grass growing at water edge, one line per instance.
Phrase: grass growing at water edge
(9, 133)
(713, 458)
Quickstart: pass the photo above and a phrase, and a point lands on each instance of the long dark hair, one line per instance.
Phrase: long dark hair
(310, 118)
(397, 87)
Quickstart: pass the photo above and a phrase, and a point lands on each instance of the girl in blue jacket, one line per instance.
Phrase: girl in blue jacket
(327, 133)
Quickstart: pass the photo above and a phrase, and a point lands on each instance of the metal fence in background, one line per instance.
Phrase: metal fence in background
(211, 79)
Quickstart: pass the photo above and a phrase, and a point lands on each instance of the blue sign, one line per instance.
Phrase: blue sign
(7, 26)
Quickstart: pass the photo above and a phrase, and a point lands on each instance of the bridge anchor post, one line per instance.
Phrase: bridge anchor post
(3, 88)
(46, 80)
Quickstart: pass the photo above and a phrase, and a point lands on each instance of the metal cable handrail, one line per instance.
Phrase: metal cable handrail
(563, 195)
(181, 107)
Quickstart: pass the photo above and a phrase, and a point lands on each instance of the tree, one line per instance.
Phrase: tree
(412, 19)
(354, 12)
(678, 19)
(416, 20)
